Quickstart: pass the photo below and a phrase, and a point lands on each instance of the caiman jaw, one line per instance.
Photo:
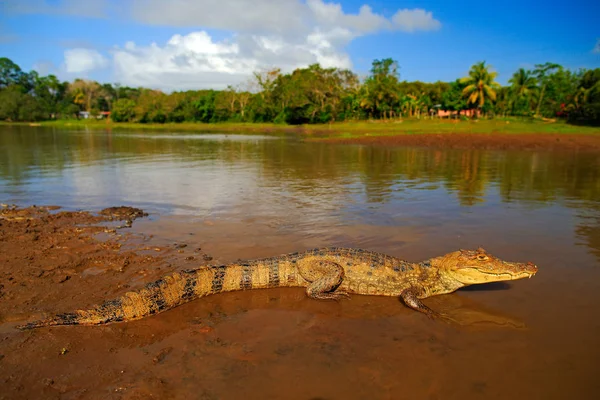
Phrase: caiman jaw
(513, 271)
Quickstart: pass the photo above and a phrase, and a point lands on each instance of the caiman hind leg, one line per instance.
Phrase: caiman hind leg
(324, 277)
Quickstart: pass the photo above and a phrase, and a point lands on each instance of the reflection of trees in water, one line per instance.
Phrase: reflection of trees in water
(544, 177)
(588, 229)
(469, 176)
(313, 167)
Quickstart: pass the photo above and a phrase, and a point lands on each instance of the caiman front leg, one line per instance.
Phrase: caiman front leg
(324, 278)
(409, 296)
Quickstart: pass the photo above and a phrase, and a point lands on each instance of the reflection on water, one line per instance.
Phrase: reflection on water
(253, 196)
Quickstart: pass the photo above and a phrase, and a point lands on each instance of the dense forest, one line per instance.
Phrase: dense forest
(311, 95)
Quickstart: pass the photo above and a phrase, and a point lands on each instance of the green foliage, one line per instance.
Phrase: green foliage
(18, 106)
(585, 106)
(380, 93)
(205, 106)
(543, 74)
(310, 95)
(453, 99)
(480, 85)
(523, 91)
(10, 73)
(123, 110)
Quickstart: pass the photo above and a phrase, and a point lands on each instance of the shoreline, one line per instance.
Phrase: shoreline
(351, 129)
(439, 134)
(503, 141)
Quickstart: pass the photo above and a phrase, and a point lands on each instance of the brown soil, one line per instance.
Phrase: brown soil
(44, 254)
(541, 141)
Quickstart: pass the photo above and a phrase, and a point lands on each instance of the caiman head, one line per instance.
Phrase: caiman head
(470, 267)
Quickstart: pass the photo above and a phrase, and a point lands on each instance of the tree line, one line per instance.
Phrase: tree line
(310, 95)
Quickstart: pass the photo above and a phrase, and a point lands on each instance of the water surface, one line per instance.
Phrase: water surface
(244, 196)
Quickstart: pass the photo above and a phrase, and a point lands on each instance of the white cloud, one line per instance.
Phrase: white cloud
(597, 47)
(331, 14)
(287, 34)
(284, 34)
(415, 20)
(197, 61)
(285, 17)
(79, 61)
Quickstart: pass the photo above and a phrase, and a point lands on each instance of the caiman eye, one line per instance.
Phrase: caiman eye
(482, 257)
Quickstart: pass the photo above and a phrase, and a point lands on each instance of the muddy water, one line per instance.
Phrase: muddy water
(251, 196)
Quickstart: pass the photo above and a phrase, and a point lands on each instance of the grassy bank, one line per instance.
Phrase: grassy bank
(345, 129)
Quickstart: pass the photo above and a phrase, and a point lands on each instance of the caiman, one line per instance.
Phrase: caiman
(328, 273)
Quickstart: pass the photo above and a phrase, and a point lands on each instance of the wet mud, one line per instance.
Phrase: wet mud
(492, 141)
(265, 344)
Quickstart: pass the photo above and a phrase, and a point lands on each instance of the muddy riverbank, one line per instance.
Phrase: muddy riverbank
(491, 141)
(266, 344)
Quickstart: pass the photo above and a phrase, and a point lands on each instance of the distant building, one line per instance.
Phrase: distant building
(101, 115)
(449, 114)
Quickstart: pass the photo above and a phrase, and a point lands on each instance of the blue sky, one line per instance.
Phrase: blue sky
(186, 44)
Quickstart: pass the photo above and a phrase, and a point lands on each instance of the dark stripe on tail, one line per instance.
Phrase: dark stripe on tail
(274, 274)
(190, 287)
(217, 283)
(246, 276)
(157, 299)
(112, 310)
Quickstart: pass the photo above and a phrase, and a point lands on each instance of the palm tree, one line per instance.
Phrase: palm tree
(481, 86)
(523, 85)
(541, 72)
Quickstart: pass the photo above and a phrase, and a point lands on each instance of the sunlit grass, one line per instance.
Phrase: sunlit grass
(349, 129)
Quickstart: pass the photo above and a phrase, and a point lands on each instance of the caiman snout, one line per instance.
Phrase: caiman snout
(522, 270)
(531, 268)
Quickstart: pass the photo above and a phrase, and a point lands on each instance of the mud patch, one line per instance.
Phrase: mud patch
(122, 213)
(45, 255)
(492, 141)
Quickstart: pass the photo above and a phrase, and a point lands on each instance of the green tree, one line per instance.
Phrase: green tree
(51, 93)
(152, 106)
(504, 101)
(380, 94)
(542, 71)
(523, 88)
(480, 85)
(15, 105)
(584, 107)
(453, 99)
(205, 106)
(84, 93)
(123, 110)
(10, 73)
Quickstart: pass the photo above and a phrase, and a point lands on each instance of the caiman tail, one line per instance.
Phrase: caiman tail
(166, 293)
